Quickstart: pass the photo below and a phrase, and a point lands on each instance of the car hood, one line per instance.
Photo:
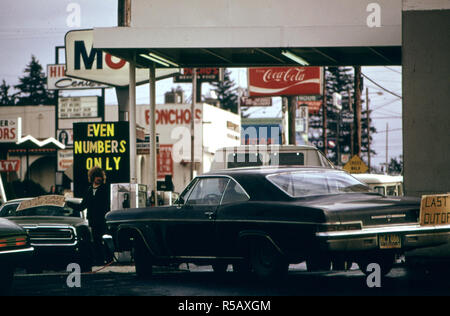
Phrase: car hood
(370, 209)
(47, 220)
(8, 228)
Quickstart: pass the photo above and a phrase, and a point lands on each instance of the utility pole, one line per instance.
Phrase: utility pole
(132, 119)
(387, 147)
(194, 100)
(292, 109)
(324, 113)
(153, 151)
(368, 128)
(352, 141)
(358, 110)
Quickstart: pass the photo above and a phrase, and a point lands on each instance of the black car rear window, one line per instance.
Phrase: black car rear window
(307, 183)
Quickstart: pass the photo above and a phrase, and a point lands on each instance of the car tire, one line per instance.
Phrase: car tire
(266, 261)
(142, 260)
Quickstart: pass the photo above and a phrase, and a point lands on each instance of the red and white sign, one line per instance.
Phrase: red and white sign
(164, 161)
(9, 130)
(9, 165)
(174, 116)
(313, 102)
(263, 101)
(65, 159)
(281, 81)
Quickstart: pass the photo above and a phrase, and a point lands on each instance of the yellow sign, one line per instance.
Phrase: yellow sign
(435, 210)
(56, 200)
(356, 165)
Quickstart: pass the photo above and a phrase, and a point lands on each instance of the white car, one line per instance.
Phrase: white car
(269, 155)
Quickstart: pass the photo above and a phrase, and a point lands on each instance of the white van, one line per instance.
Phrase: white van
(269, 155)
(381, 183)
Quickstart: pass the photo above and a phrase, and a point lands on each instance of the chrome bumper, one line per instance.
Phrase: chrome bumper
(15, 255)
(412, 237)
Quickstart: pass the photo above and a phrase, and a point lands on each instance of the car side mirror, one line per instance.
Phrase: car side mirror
(179, 201)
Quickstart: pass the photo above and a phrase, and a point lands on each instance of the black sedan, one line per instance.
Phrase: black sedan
(57, 231)
(14, 249)
(263, 219)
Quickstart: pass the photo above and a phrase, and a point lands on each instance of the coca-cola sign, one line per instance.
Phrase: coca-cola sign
(280, 81)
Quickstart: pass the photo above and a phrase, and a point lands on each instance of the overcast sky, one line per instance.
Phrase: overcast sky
(30, 27)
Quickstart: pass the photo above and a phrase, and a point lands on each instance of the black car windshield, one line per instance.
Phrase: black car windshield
(306, 183)
(46, 210)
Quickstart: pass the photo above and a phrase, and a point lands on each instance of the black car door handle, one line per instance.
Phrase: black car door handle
(210, 214)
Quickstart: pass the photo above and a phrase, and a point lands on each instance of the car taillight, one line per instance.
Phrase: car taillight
(13, 242)
(21, 241)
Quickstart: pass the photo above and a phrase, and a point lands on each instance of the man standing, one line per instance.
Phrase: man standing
(96, 200)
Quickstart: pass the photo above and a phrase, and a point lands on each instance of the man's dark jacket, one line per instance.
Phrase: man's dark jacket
(97, 205)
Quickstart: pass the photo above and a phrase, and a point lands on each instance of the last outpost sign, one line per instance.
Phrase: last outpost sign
(105, 145)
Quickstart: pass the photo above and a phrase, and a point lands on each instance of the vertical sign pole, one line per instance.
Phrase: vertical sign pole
(132, 120)
(153, 157)
(324, 113)
(368, 128)
(194, 100)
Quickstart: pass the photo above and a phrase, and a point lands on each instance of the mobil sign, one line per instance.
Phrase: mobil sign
(281, 81)
(83, 61)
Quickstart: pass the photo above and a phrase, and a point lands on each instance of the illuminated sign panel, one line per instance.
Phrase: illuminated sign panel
(105, 145)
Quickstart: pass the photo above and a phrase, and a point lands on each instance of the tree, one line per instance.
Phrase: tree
(5, 97)
(395, 166)
(340, 80)
(227, 93)
(32, 86)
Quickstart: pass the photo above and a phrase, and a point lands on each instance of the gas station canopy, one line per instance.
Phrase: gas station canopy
(265, 57)
(252, 33)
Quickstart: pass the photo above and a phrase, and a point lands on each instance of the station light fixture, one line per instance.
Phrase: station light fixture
(295, 58)
(160, 60)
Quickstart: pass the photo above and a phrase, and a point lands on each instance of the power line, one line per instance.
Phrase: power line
(399, 72)
(380, 86)
(391, 130)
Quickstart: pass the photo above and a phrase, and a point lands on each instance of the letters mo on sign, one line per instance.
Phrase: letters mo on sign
(100, 144)
(86, 62)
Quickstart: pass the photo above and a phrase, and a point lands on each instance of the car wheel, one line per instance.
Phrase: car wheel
(266, 261)
(142, 260)
(6, 279)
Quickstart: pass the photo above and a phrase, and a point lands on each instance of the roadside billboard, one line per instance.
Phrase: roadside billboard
(105, 145)
(283, 81)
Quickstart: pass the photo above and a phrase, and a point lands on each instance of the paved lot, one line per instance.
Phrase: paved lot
(201, 281)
